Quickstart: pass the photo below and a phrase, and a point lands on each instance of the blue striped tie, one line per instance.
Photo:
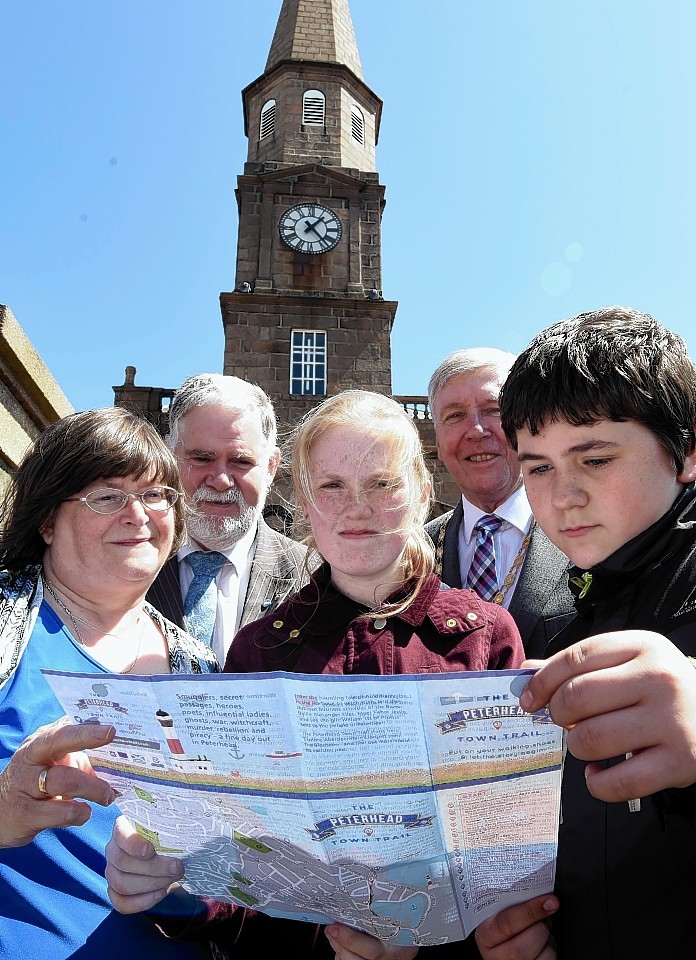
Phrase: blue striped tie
(482, 577)
(200, 606)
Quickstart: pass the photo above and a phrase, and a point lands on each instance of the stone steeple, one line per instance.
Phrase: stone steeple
(307, 317)
(319, 30)
(311, 104)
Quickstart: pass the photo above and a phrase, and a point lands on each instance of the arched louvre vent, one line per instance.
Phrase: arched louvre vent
(268, 114)
(313, 107)
(357, 124)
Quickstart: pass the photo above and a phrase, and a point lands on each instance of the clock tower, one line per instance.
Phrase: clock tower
(307, 317)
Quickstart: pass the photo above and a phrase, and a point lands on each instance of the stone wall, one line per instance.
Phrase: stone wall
(30, 399)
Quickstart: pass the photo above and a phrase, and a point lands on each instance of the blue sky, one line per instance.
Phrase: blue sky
(538, 157)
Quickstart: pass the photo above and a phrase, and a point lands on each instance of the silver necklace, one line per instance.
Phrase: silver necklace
(74, 619)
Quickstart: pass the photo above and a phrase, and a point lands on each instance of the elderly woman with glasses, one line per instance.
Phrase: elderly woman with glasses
(92, 513)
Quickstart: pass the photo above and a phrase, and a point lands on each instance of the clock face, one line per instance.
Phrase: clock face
(310, 228)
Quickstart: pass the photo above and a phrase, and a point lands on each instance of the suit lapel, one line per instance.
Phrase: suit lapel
(451, 572)
(543, 568)
(270, 577)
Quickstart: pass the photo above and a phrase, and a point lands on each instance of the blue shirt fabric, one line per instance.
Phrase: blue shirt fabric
(53, 901)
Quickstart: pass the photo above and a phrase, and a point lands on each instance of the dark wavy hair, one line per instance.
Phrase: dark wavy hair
(614, 363)
(69, 455)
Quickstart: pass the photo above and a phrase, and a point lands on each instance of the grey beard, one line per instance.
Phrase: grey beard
(221, 533)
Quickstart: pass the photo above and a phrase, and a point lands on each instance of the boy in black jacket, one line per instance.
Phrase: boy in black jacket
(601, 410)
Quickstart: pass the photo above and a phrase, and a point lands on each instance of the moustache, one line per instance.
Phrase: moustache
(233, 495)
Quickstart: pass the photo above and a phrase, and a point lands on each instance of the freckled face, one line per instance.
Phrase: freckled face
(360, 512)
(593, 488)
(470, 438)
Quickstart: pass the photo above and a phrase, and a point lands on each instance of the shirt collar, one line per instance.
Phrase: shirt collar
(515, 511)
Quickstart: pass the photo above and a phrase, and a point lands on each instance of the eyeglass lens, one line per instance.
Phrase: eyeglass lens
(108, 500)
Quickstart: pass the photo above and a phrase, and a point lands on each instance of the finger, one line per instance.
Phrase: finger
(34, 816)
(157, 869)
(595, 653)
(601, 694)
(515, 920)
(639, 776)
(128, 840)
(55, 741)
(130, 882)
(72, 783)
(129, 903)
(132, 855)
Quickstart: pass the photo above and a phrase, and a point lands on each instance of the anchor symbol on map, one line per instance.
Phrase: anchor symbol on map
(236, 753)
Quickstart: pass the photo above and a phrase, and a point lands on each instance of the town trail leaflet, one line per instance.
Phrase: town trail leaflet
(410, 807)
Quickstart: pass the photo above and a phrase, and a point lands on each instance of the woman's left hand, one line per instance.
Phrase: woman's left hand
(47, 772)
(349, 944)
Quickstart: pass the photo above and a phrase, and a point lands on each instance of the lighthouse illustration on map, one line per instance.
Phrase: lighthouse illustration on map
(179, 760)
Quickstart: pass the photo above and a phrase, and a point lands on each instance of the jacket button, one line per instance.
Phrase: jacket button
(380, 623)
(294, 633)
(472, 616)
(277, 624)
(451, 622)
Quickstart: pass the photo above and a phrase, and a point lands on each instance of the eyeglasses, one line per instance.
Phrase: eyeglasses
(110, 500)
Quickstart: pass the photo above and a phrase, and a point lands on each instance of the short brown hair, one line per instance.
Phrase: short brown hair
(69, 455)
(614, 363)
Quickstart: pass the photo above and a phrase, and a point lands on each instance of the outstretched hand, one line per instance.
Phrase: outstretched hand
(628, 693)
(40, 784)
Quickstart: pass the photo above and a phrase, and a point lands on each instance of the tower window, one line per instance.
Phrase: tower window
(357, 124)
(308, 363)
(267, 125)
(313, 107)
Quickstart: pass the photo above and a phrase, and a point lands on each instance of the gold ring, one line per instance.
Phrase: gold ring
(42, 784)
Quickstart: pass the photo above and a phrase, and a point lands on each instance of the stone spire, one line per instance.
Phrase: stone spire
(316, 30)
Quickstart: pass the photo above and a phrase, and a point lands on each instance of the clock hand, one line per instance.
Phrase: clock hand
(313, 226)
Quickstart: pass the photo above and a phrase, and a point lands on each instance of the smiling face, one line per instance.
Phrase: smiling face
(593, 488)
(470, 439)
(95, 554)
(359, 512)
(226, 470)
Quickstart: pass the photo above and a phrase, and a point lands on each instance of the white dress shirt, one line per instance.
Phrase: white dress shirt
(516, 515)
(232, 583)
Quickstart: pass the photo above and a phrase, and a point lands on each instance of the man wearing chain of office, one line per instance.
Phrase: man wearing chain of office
(490, 541)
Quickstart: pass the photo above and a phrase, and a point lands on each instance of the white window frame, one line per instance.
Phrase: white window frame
(308, 348)
(357, 124)
(267, 120)
(313, 108)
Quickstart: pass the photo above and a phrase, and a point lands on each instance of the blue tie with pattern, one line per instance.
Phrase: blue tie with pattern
(200, 606)
(482, 578)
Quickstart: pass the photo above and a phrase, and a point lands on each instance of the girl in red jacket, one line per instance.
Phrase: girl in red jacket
(373, 606)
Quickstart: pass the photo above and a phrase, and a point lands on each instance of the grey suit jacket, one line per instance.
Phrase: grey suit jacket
(541, 604)
(276, 571)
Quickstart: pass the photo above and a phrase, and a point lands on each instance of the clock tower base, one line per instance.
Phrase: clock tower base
(259, 330)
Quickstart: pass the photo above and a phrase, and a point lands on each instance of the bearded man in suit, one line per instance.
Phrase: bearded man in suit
(524, 571)
(223, 433)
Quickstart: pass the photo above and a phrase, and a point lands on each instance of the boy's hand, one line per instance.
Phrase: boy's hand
(137, 876)
(620, 693)
(520, 932)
